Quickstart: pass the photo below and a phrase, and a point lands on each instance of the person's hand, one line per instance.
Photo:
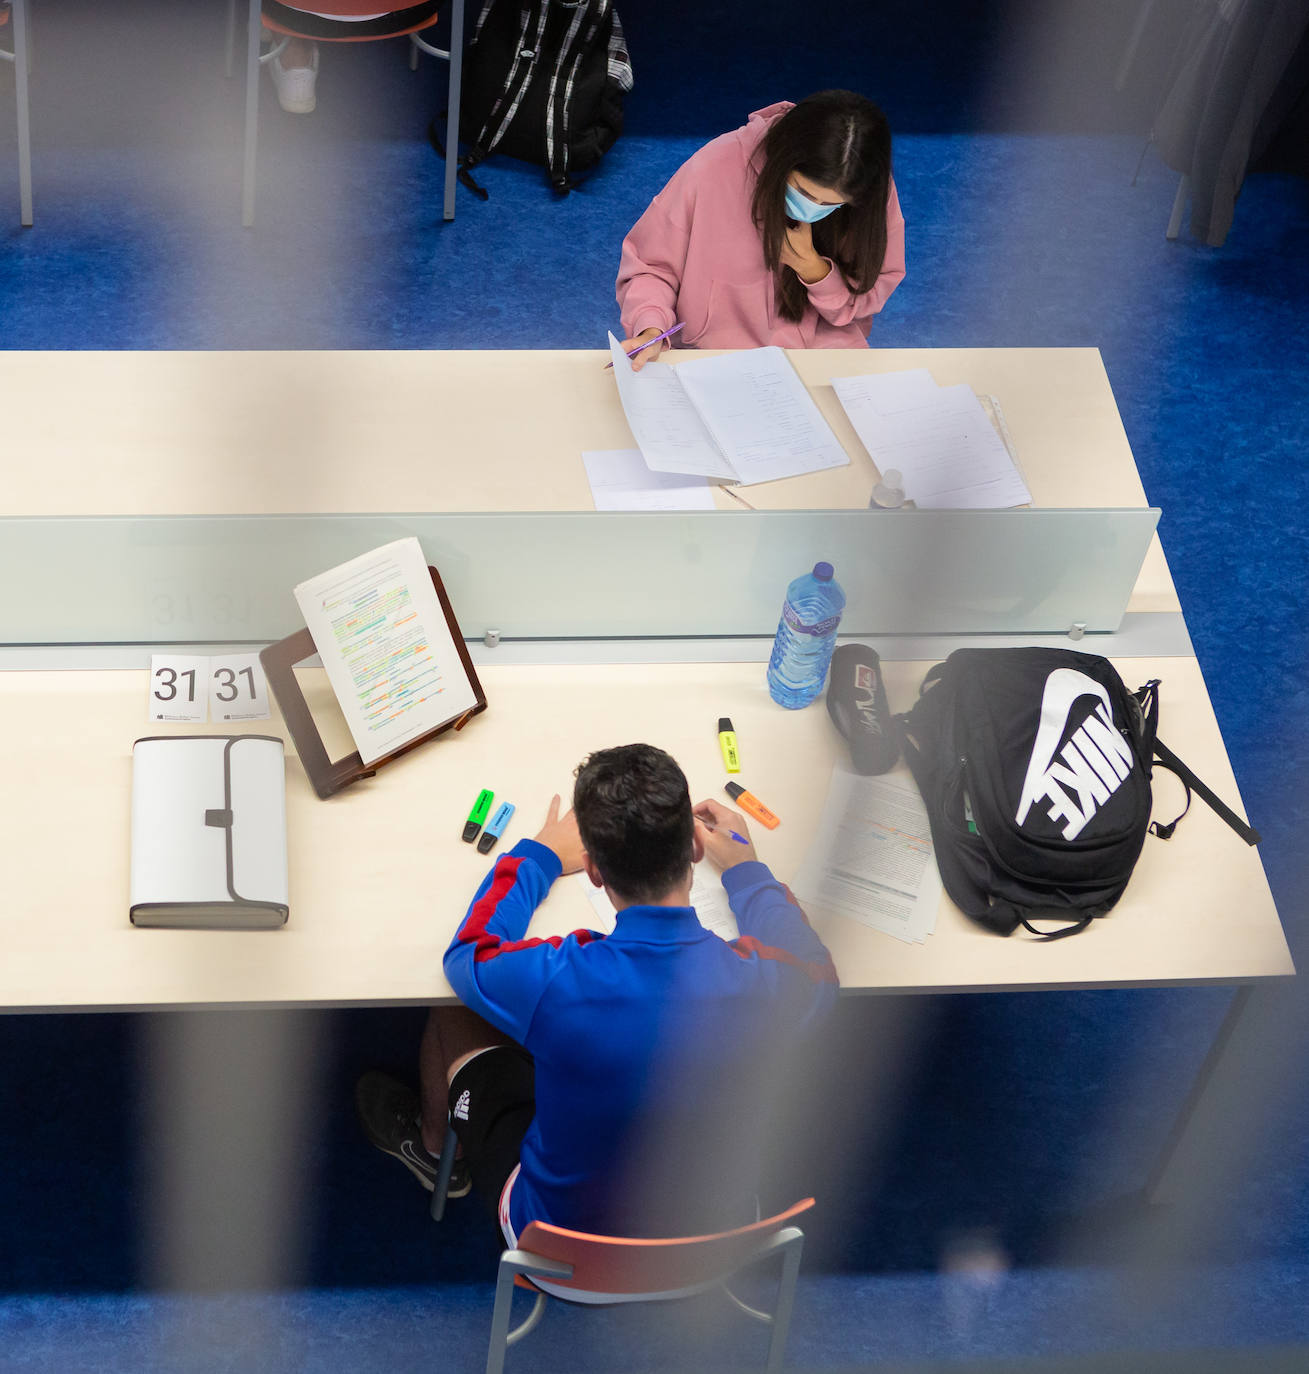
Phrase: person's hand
(646, 355)
(799, 254)
(715, 824)
(560, 834)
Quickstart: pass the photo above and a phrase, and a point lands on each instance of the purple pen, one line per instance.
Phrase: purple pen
(666, 334)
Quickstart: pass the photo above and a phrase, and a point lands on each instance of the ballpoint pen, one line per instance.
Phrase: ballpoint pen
(740, 839)
(666, 334)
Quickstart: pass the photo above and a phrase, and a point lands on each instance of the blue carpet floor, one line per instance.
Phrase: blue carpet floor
(970, 1212)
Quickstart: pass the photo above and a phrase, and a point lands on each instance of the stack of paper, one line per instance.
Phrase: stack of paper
(742, 417)
(937, 437)
(620, 480)
(708, 896)
(873, 860)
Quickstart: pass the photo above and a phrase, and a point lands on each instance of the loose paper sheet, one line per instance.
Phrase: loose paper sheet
(708, 896)
(761, 415)
(939, 438)
(386, 647)
(872, 860)
(620, 480)
(669, 432)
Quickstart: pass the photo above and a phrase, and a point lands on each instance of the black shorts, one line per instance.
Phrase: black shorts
(492, 1103)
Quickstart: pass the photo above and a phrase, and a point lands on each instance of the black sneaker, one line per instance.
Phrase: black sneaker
(388, 1112)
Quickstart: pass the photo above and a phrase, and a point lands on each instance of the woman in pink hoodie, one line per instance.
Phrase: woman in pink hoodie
(787, 231)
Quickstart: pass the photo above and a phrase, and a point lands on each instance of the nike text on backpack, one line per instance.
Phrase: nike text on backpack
(1035, 767)
(543, 80)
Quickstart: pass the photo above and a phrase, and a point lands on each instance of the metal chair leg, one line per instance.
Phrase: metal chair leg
(442, 1186)
(785, 1303)
(230, 64)
(452, 117)
(22, 66)
(504, 1301)
(251, 112)
(1179, 206)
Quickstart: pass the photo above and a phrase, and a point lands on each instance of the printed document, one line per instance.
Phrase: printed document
(939, 438)
(744, 417)
(387, 648)
(708, 896)
(620, 480)
(873, 860)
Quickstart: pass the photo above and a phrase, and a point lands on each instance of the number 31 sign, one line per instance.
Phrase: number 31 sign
(187, 687)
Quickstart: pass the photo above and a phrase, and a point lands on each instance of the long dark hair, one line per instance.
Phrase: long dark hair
(837, 139)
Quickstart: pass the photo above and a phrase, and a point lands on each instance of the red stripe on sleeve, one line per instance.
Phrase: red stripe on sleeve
(747, 947)
(473, 931)
(488, 944)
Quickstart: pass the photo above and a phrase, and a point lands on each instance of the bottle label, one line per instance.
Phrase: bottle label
(823, 627)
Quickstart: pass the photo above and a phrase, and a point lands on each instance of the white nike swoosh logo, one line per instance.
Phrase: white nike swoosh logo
(1062, 689)
(424, 1161)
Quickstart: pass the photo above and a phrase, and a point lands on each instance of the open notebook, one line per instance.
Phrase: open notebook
(743, 417)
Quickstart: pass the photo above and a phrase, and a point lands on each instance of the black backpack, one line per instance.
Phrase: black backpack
(1035, 767)
(544, 81)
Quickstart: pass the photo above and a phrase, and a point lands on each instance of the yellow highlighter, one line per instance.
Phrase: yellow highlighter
(727, 743)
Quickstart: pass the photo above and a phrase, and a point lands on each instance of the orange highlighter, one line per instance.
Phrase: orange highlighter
(752, 806)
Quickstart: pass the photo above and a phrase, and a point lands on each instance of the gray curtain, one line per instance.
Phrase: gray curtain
(1236, 76)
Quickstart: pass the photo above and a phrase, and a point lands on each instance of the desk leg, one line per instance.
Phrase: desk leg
(252, 75)
(452, 104)
(22, 67)
(1191, 1142)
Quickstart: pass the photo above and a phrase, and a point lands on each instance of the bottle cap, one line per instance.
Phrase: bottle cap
(823, 572)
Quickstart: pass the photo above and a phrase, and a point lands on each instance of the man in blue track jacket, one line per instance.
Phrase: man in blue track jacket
(620, 1083)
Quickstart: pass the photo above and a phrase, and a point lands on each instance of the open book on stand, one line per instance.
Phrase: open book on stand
(742, 417)
(394, 656)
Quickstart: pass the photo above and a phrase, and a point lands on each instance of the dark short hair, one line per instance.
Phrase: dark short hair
(634, 816)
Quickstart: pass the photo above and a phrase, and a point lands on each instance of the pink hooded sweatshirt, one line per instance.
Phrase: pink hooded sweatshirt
(696, 256)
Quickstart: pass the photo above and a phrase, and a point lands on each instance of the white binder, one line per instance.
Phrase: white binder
(209, 831)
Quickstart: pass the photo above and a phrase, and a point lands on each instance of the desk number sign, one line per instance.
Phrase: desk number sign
(192, 687)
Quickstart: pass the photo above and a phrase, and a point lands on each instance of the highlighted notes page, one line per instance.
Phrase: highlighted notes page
(388, 651)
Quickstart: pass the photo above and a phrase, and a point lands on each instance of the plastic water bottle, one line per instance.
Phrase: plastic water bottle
(806, 636)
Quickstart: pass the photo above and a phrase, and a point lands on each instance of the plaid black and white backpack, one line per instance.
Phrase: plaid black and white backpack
(544, 81)
(1035, 768)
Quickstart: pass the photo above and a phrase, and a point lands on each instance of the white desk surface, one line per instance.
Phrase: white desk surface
(199, 433)
(380, 877)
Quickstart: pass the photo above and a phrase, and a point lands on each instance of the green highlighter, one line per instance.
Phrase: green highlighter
(477, 816)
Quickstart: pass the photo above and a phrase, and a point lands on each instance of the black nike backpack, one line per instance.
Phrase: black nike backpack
(1035, 767)
(544, 81)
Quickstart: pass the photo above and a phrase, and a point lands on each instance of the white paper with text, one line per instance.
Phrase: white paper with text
(386, 647)
(872, 859)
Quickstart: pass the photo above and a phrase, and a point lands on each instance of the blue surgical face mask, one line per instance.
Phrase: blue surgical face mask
(799, 206)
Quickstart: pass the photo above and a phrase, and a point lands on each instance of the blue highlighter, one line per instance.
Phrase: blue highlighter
(495, 827)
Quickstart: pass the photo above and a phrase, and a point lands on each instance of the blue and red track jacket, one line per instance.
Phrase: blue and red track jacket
(657, 1046)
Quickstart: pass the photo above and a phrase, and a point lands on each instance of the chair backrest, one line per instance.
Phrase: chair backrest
(622, 1265)
(345, 9)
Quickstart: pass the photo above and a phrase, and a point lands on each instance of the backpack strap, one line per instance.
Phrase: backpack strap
(466, 162)
(1191, 783)
(1075, 929)
(530, 38)
(560, 90)
(1147, 698)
